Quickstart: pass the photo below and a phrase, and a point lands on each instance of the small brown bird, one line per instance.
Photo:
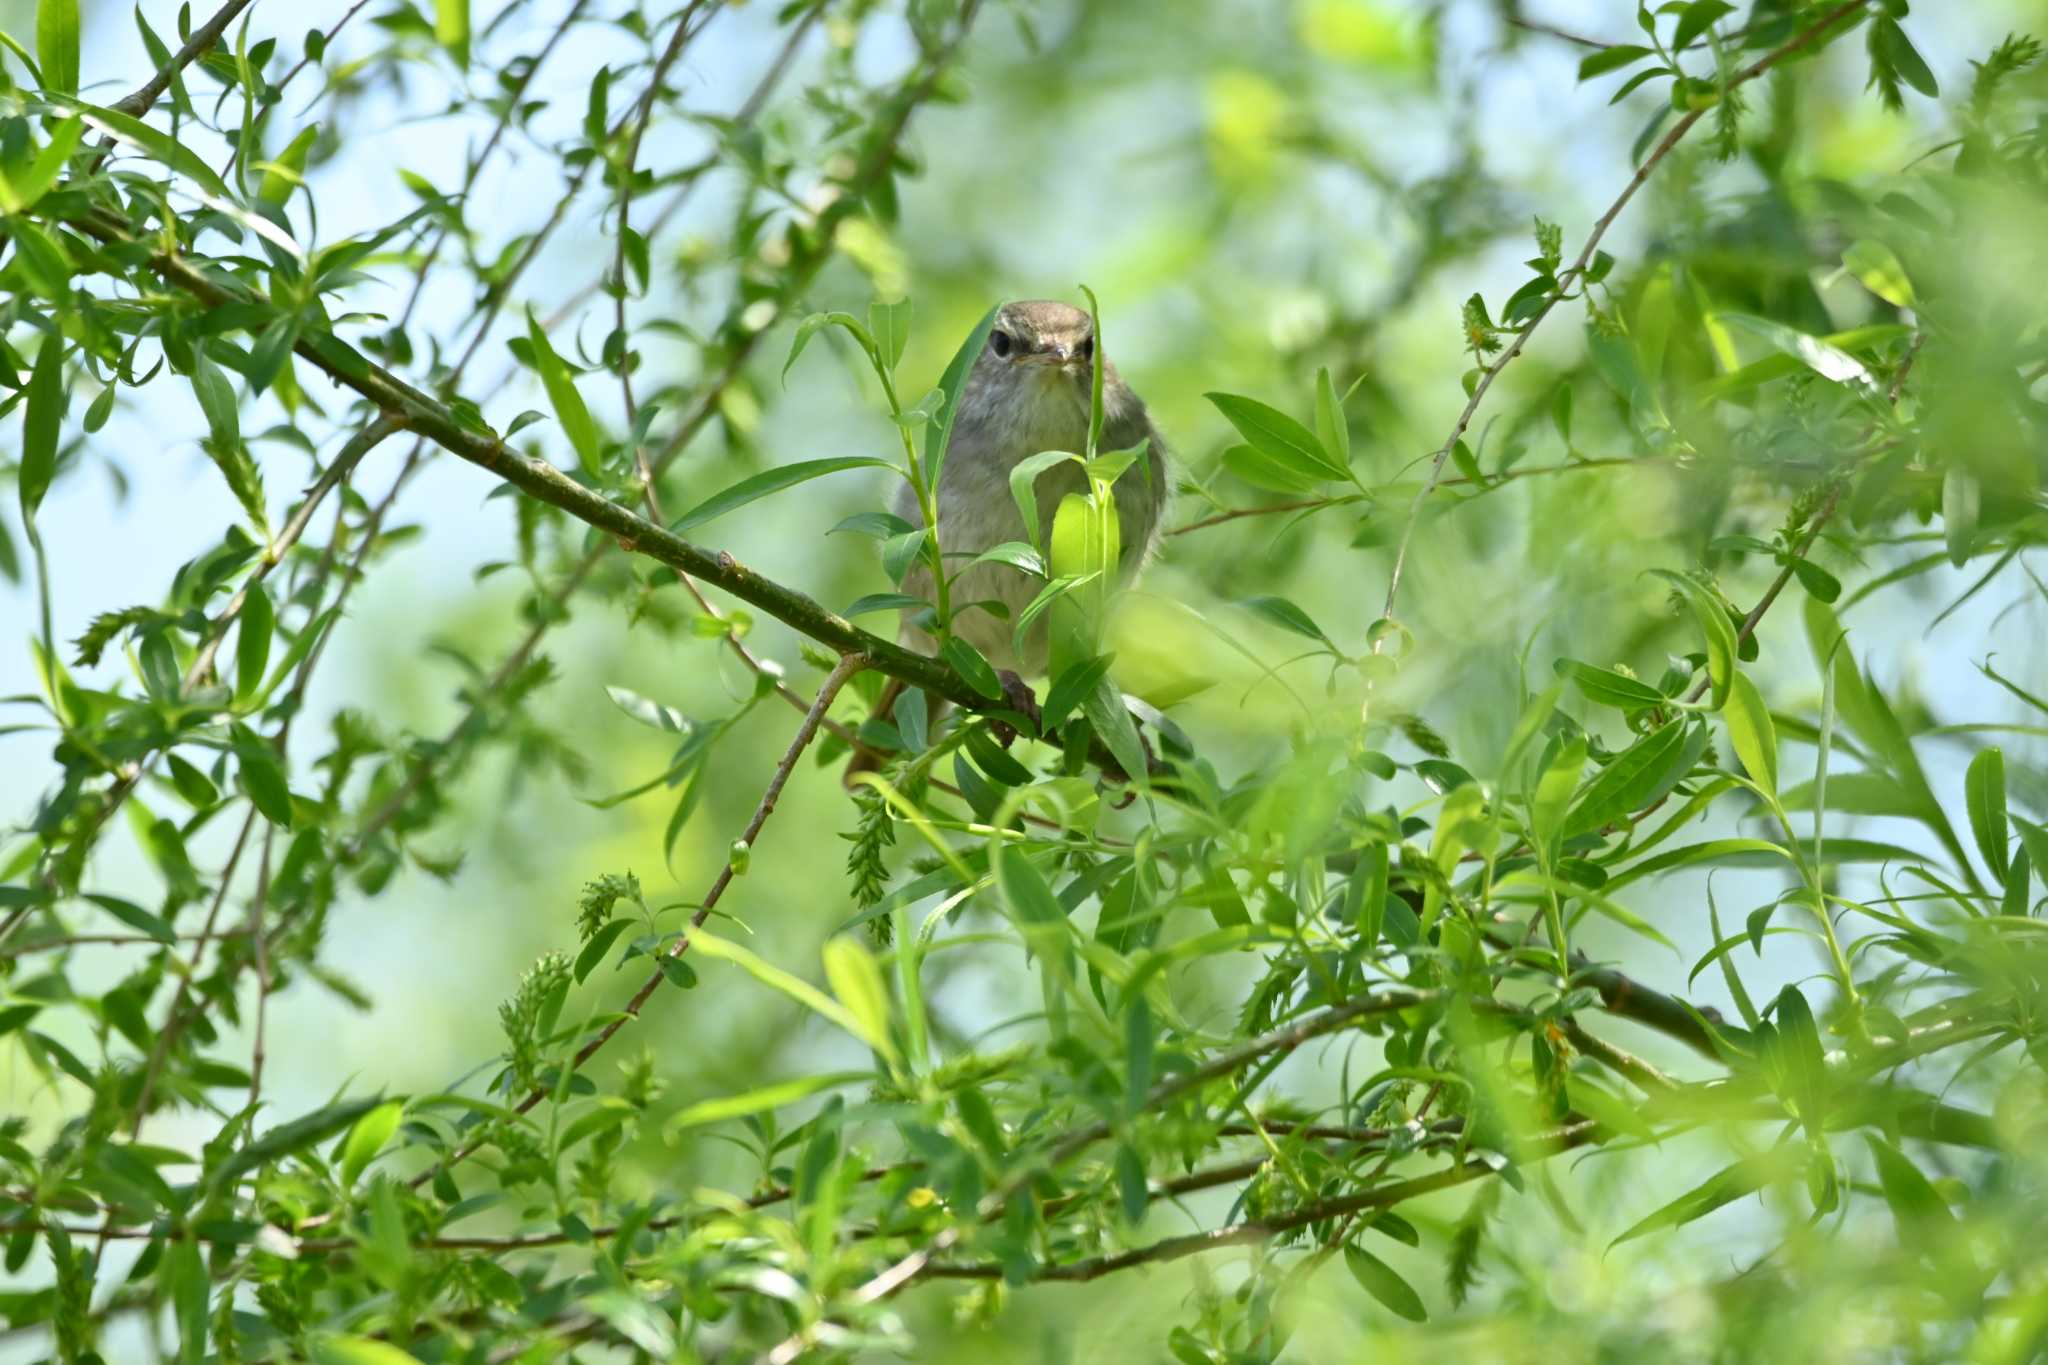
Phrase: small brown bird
(1029, 392)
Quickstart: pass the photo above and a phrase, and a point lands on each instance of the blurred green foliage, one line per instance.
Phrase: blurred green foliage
(1569, 915)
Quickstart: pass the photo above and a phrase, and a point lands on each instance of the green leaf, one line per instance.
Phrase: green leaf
(1724, 1187)
(159, 146)
(1897, 49)
(1553, 794)
(300, 1134)
(760, 1100)
(42, 419)
(564, 398)
(20, 190)
(938, 433)
(216, 399)
(252, 646)
(1720, 636)
(1331, 427)
(1106, 711)
(1984, 791)
(1279, 437)
(769, 481)
(1024, 488)
(135, 917)
(1696, 18)
(367, 1138)
(1384, 1283)
(57, 44)
(1962, 505)
(1260, 470)
(451, 28)
(889, 325)
(1073, 685)
(263, 777)
(1287, 616)
(768, 974)
(649, 712)
(1825, 360)
(282, 177)
(1793, 1059)
(600, 943)
(1751, 732)
(185, 1284)
(2034, 839)
(1638, 777)
(1610, 59)
(1609, 688)
(969, 664)
(856, 979)
(1916, 1205)
(347, 1350)
(1878, 268)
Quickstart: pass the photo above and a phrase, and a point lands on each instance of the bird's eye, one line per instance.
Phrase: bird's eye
(1000, 343)
(1086, 350)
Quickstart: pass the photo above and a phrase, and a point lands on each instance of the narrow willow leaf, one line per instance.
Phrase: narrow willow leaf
(1638, 777)
(1024, 488)
(57, 45)
(568, 404)
(1984, 791)
(1609, 688)
(1611, 59)
(1751, 732)
(20, 189)
(1720, 636)
(1827, 361)
(1724, 1187)
(283, 174)
(135, 917)
(351, 1350)
(760, 1100)
(1331, 427)
(970, 665)
(889, 325)
(938, 433)
(42, 419)
(856, 978)
(300, 1134)
(1279, 437)
(1915, 1204)
(367, 1138)
(772, 976)
(1384, 1283)
(1287, 616)
(252, 646)
(766, 482)
(160, 147)
(451, 28)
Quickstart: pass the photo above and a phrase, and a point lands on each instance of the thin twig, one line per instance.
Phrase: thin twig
(203, 37)
(172, 1019)
(514, 98)
(305, 59)
(257, 903)
(848, 665)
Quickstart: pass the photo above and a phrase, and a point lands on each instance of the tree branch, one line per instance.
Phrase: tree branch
(203, 37)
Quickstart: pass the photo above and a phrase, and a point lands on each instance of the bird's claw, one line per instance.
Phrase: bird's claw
(1023, 701)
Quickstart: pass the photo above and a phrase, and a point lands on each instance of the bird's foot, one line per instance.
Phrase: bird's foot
(1023, 701)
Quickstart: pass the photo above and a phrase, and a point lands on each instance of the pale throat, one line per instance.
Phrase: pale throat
(1046, 408)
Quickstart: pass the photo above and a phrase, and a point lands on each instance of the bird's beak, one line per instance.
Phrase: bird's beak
(1059, 356)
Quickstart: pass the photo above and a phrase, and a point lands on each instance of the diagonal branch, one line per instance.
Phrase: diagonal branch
(203, 37)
